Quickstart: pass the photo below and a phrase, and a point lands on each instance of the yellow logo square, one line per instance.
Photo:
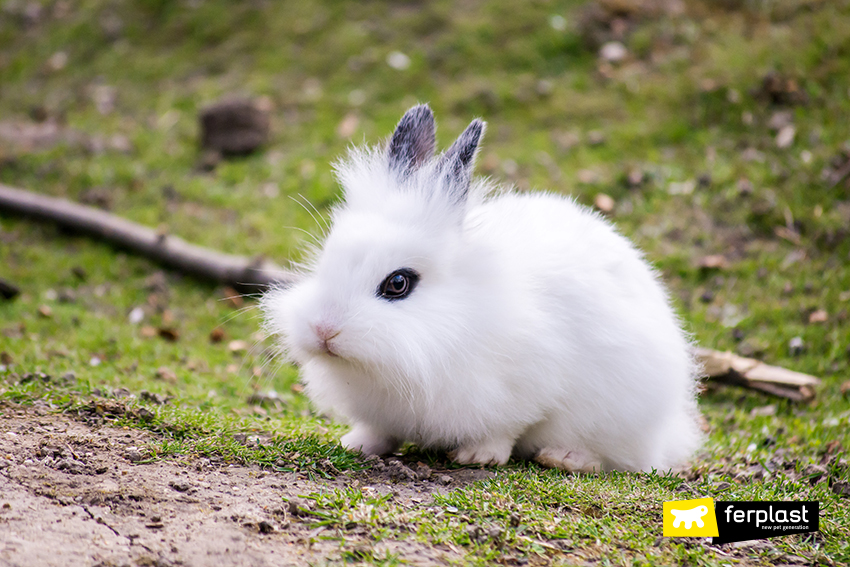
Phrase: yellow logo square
(690, 518)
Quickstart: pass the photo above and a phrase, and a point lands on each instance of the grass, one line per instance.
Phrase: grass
(687, 110)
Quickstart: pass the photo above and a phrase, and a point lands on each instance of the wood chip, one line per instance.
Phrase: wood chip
(730, 368)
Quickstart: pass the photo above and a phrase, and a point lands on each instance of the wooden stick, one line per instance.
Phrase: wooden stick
(245, 274)
(730, 368)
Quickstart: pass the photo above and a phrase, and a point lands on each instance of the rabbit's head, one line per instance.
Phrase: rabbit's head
(390, 291)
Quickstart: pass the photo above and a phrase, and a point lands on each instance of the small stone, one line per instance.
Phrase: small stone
(165, 373)
(635, 176)
(8, 290)
(45, 311)
(796, 346)
(158, 399)
(348, 126)
(764, 411)
(398, 60)
(234, 126)
(58, 61)
(785, 137)
(596, 137)
(136, 315)
(682, 187)
(237, 346)
(297, 507)
(515, 519)
(444, 479)
(423, 471)
(587, 176)
(713, 262)
(842, 489)
(67, 295)
(818, 316)
(168, 333)
(400, 472)
(604, 203)
(475, 533)
(780, 119)
(217, 335)
(266, 527)
(133, 454)
(180, 485)
(745, 187)
(613, 52)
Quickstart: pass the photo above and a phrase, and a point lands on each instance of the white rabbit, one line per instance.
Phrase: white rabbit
(489, 323)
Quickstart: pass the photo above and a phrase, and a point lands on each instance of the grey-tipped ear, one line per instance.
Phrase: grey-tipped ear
(458, 160)
(413, 141)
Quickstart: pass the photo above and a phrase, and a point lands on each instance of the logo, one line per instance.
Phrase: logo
(739, 521)
(690, 518)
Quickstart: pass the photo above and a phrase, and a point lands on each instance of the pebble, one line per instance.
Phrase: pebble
(613, 52)
(133, 454)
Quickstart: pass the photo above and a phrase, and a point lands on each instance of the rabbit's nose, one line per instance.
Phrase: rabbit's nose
(326, 332)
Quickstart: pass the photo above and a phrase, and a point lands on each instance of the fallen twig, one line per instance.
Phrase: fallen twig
(730, 368)
(245, 274)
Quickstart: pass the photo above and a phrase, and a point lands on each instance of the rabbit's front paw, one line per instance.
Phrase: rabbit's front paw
(490, 452)
(574, 460)
(369, 442)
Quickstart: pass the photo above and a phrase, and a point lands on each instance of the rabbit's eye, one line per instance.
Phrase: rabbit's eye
(398, 284)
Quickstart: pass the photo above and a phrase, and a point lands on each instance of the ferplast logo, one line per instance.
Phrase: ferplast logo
(690, 518)
(727, 522)
(741, 521)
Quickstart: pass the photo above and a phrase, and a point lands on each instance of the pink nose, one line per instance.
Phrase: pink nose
(325, 332)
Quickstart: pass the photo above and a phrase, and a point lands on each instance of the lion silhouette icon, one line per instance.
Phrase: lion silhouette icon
(689, 517)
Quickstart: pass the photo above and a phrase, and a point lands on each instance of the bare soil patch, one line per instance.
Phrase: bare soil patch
(70, 494)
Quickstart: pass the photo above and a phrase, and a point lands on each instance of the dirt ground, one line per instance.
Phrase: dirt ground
(70, 494)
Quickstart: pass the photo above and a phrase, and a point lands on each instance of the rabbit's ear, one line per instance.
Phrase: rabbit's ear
(413, 141)
(456, 164)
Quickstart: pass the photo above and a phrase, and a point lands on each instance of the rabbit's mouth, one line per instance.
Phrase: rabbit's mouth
(326, 347)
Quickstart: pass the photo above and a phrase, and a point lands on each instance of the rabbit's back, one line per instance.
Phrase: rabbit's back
(596, 328)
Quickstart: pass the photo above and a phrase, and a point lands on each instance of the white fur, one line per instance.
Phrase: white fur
(536, 329)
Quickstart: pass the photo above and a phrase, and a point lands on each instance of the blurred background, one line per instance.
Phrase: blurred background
(713, 132)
